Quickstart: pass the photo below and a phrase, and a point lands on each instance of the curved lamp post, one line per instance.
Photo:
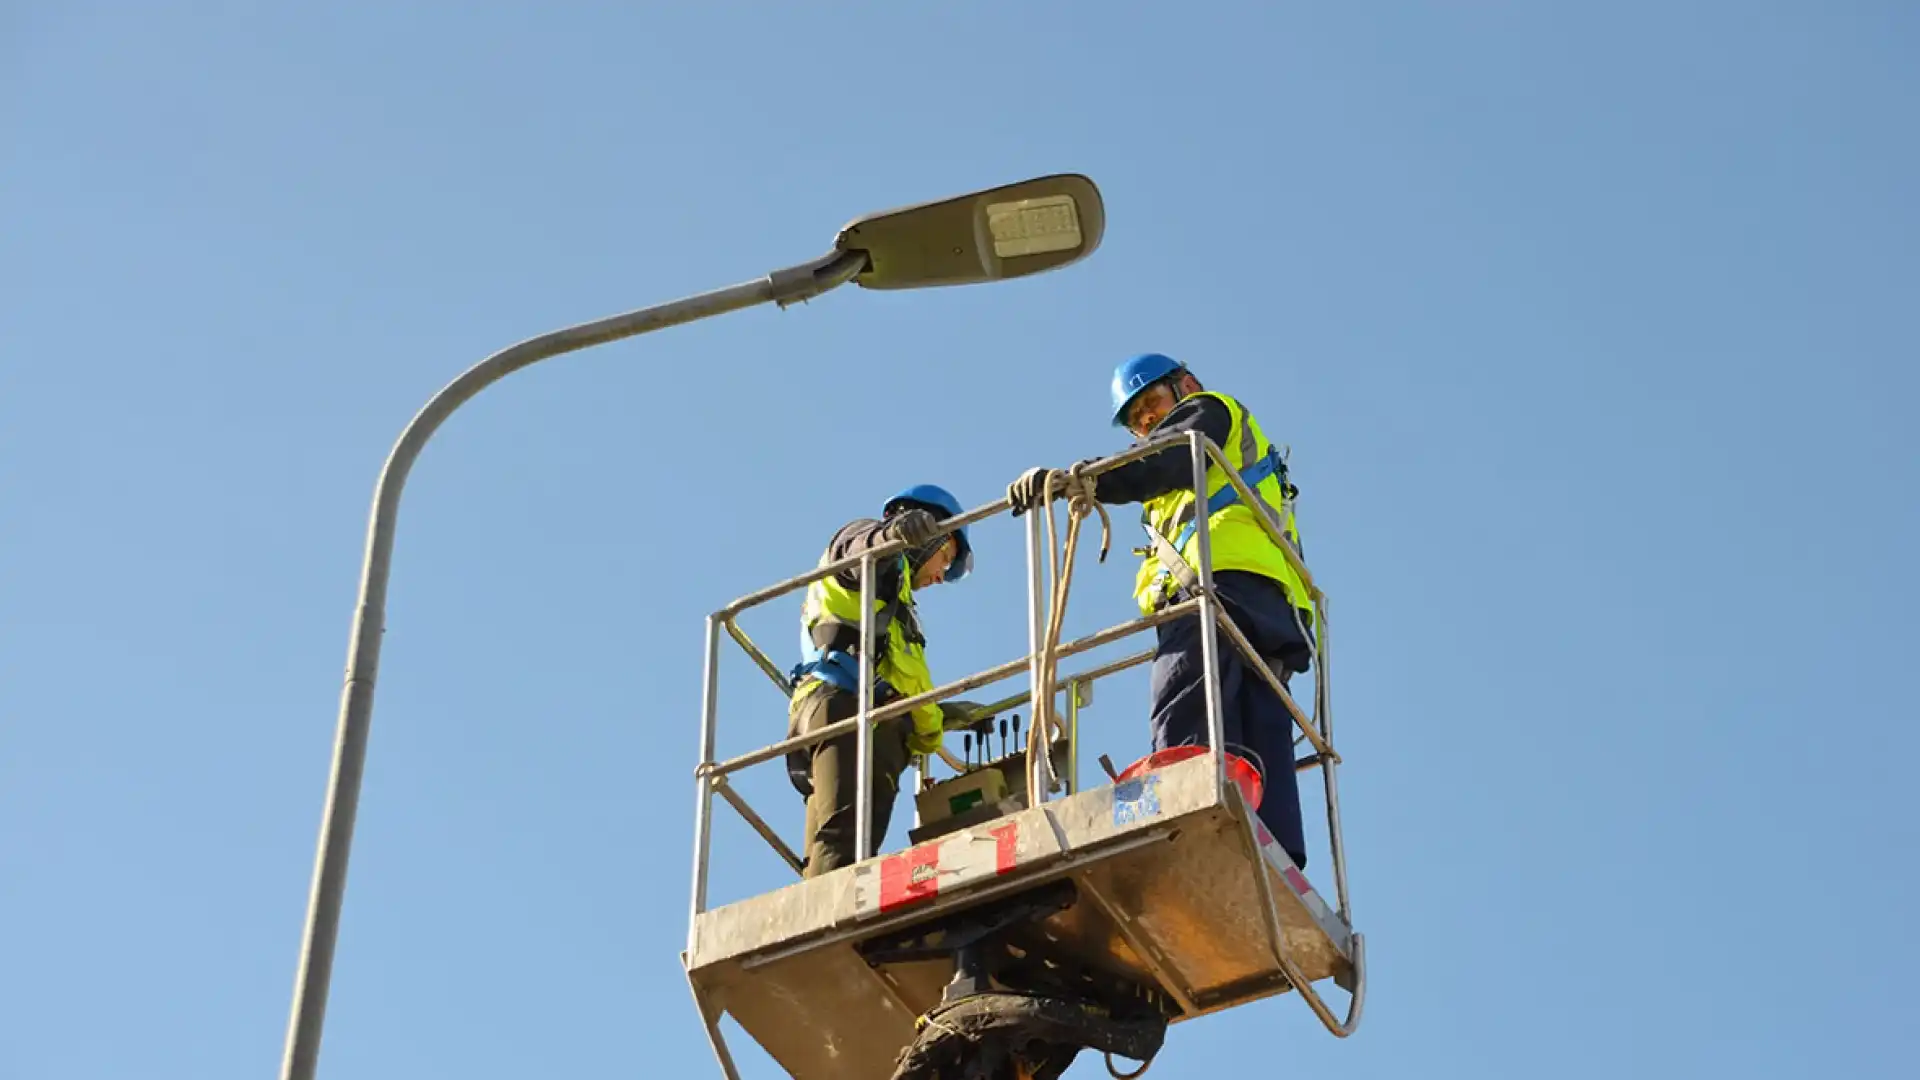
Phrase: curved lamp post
(1003, 232)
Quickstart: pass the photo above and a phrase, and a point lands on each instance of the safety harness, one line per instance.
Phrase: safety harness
(840, 668)
(1168, 552)
(1228, 495)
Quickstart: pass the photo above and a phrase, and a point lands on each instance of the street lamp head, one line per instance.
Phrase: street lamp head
(1003, 232)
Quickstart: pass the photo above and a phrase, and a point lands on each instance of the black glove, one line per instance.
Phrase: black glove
(915, 526)
(1026, 492)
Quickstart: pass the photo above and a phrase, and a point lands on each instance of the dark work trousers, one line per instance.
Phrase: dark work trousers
(831, 769)
(1255, 722)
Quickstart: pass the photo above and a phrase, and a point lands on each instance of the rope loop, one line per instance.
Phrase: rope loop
(1078, 490)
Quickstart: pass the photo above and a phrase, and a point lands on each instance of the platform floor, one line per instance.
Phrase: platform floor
(1166, 895)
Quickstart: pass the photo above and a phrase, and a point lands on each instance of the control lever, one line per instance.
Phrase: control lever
(1003, 736)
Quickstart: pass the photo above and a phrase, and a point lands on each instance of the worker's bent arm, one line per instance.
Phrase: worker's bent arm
(864, 535)
(1170, 469)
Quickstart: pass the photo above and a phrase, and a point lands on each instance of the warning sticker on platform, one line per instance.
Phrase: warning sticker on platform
(1137, 800)
(939, 867)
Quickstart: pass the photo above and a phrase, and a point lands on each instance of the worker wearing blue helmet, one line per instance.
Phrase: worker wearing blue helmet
(826, 683)
(1153, 395)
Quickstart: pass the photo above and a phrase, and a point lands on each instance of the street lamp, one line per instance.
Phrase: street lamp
(1003, 232)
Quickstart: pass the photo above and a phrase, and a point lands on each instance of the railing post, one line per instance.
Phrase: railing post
(703, 782)
(1209, 637)
(1329, 772)
(863, 734)
(1073, 738)
(1036, 638)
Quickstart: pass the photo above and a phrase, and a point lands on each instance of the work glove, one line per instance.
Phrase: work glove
(1026, 492)
(925, 743)
(915, 526)
(955, 714)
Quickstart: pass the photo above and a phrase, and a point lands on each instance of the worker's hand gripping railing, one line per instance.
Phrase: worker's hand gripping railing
(1077, 488)
(1045, 651)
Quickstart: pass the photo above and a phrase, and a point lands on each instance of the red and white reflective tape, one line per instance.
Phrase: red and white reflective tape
(940, 866)
(1296, 880)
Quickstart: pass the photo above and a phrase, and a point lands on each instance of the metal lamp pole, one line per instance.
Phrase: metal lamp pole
(363, 654)
(1004, 232)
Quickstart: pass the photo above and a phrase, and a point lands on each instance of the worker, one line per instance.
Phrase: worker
(826, 685)
(1153, 395)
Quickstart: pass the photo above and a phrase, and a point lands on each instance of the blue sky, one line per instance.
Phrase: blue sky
(1592, 329)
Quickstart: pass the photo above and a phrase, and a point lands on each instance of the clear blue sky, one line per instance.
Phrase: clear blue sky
(1592, 329)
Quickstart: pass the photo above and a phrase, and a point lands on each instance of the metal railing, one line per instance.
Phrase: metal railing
(1315, 728)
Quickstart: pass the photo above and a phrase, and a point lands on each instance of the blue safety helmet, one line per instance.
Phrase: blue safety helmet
(1136, 375)
(939, 502)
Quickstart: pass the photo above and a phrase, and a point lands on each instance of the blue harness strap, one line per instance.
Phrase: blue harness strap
(839, 669)
(1228, 495)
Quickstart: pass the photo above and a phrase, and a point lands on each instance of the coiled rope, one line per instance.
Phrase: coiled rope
(1078, 490)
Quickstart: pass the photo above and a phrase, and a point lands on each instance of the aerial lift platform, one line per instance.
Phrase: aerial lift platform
(1045, 917)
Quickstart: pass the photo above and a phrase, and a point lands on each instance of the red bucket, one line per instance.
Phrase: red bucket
(1239, 770)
